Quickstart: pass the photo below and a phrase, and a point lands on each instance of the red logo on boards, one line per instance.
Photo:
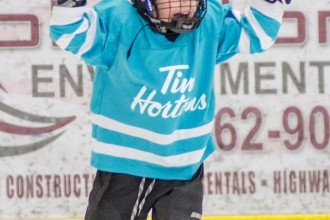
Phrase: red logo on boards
(52, 124)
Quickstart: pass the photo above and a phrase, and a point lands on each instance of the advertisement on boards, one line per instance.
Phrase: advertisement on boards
(271, 124)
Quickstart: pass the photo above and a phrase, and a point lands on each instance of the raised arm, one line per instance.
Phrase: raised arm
(77, 28)
(252, 30)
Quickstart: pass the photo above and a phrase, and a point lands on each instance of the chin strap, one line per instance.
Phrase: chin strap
(273, 1)
(71, 3)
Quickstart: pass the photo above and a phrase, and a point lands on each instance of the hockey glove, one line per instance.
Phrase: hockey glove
(71, 3)
(273, 1)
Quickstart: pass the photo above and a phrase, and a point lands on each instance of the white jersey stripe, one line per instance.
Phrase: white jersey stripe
(244, 41)
(158, 138)
(179, 160)
(66, 39)
(91, 32)
(265, 40)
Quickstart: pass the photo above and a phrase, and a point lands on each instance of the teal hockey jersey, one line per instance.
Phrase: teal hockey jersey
(153, 102)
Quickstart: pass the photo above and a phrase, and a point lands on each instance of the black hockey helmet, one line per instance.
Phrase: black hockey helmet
(149, 10)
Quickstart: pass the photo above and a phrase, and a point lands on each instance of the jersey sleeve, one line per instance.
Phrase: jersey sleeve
(81, 31)
(252, 30)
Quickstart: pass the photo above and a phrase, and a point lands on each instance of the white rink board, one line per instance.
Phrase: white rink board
(280, 111)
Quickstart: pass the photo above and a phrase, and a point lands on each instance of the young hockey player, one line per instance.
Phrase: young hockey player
(153, 102)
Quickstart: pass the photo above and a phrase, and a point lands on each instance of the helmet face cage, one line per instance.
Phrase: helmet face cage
(178, 16)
